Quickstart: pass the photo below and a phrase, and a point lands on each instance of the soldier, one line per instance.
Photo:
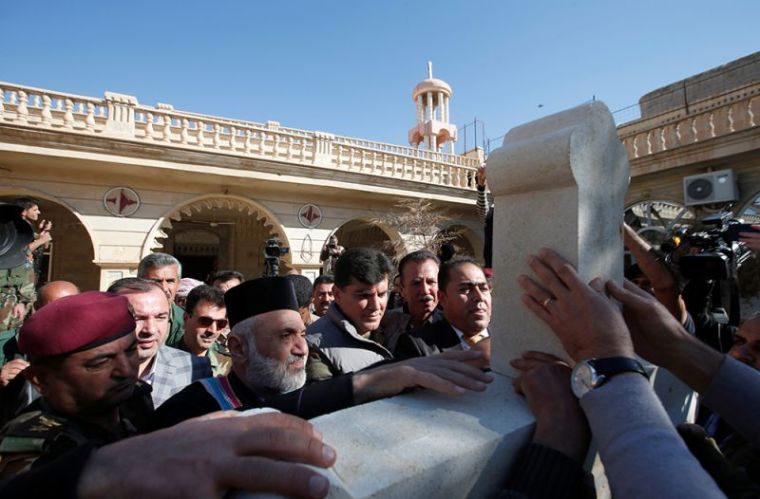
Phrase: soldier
(83, 360)
(42, 239)
(16, 277)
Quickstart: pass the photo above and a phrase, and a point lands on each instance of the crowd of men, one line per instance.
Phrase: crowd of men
(137, 390)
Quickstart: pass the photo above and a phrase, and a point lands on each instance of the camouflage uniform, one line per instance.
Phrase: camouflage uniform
(16, 286)
(40, 435)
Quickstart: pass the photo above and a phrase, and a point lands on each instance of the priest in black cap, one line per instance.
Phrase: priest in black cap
(269, 353)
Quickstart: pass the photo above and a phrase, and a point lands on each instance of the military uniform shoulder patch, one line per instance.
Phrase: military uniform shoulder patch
(29, 432)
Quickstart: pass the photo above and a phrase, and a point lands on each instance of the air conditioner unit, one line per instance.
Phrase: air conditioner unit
(713, 187)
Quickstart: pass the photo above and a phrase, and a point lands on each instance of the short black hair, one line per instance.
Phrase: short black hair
(444, 273)
(129, 285)
(324, 279)
(205, 293)
(303, 288)
(26, 202)
(366, 265)
(418, 256)
(226, 275)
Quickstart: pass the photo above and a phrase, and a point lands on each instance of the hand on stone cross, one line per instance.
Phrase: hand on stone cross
(583, 317)
(450, 373)
(204, 457)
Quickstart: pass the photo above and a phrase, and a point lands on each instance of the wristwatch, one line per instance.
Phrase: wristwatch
(593, 373)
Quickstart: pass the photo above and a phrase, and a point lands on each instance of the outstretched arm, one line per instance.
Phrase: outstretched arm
(664, 285)
(198, 458)
(446, 373)
(641, 451)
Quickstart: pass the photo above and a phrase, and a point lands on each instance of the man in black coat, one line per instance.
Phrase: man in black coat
(465, 295)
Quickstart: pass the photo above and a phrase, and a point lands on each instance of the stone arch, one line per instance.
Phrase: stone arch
(236, 229)
(73, 250)
(357, 232)
(654, 219)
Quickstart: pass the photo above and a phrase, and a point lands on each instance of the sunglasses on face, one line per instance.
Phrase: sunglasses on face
(207, 321)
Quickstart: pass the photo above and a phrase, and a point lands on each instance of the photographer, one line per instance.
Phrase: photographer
(330, 254)
(655, 277)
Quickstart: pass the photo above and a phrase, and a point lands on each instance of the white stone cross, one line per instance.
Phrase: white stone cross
(558, 182)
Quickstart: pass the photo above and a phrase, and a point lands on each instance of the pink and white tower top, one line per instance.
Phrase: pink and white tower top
(432, 97)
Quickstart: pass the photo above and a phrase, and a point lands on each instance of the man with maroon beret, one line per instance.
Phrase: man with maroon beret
(83, 360)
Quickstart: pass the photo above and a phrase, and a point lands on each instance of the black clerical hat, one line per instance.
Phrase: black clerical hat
(15, 235)
(259, 296)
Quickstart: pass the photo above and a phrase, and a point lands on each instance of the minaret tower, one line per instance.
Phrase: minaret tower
(432, 97)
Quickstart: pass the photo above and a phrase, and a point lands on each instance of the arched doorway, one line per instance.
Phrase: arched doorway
(70, 255)
(360, 233)
(749, 272)
(219, 233)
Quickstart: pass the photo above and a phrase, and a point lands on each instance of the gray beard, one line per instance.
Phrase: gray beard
(268, 374)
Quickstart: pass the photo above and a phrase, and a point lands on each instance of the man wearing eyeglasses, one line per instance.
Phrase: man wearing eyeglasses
(206, 319)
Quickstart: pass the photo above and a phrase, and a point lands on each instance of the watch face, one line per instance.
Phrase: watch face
(582, 380)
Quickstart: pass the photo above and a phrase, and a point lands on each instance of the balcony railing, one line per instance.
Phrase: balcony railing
(641, 141)
(121, 117)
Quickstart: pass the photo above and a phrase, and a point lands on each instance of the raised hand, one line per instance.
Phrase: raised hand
(585, 320)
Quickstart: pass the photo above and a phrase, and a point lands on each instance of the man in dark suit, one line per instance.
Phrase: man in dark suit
(465, 296)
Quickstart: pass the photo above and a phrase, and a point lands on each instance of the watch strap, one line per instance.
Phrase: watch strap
(610, 366)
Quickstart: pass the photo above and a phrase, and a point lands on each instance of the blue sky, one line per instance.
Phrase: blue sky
(349, 67)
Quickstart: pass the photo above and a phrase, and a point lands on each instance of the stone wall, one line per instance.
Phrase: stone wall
(681, 94)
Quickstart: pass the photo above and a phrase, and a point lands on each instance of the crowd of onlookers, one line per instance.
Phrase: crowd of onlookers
(119, 393)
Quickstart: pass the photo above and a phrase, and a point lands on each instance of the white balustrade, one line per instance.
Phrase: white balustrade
(122, 115)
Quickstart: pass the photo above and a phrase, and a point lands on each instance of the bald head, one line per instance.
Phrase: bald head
(53, 291)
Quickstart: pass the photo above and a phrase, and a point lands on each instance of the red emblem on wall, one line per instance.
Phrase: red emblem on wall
(310, 216)
(121, 201)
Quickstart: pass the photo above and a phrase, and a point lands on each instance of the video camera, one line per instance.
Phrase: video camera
(273, 251)
(712, 251)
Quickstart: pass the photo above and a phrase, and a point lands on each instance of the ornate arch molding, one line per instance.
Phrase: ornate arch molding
(196, 205)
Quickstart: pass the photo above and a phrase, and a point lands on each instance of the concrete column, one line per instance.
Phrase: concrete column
(446, 109)
(429, 106)
(420, 108)
(440, 107)
(557, 182)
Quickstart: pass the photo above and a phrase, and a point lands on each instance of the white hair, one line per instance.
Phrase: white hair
(266, 373)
